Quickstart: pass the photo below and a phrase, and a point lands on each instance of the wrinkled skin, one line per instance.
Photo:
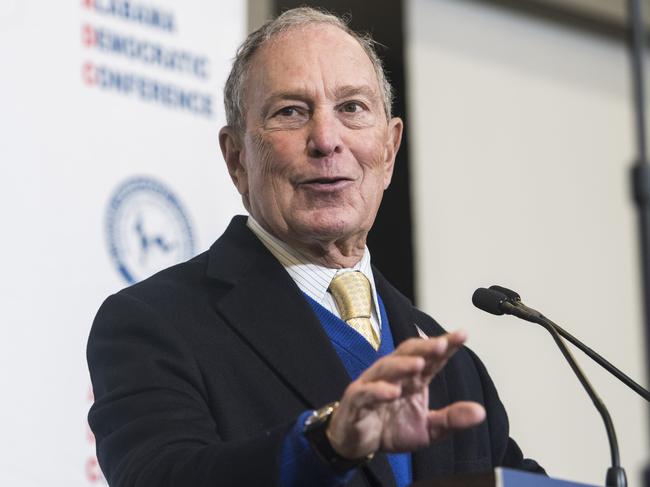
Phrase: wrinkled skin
(317, 152)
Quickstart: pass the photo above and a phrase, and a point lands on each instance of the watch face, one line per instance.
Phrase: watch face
(311, 419)
(321, 415)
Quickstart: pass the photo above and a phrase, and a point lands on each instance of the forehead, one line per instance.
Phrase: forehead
(311, 58)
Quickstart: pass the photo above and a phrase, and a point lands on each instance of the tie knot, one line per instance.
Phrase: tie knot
(351, 291)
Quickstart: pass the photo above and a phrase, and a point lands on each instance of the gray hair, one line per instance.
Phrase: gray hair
(234, 90)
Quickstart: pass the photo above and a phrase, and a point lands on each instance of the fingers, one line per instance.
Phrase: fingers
(438, 346)
(369, 394)
(393, 368)
(456, 416)
(382, 382)
(436, 350)
(416, 361)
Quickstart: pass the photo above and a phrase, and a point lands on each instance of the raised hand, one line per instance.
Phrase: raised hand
(387, 407)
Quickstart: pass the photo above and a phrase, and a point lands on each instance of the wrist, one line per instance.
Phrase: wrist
(339, 446)
(317, 432)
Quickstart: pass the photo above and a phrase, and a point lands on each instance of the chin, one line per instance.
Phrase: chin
(329, 225)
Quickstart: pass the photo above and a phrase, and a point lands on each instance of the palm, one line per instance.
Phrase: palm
(405, 423)
(397, 426)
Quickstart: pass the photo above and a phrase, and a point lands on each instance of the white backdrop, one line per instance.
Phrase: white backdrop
(109, 160)
(521, 135)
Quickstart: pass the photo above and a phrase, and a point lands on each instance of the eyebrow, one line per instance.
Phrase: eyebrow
(352, 90)
(344, 91)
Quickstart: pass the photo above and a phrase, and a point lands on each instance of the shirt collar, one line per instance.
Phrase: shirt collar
(313, 279)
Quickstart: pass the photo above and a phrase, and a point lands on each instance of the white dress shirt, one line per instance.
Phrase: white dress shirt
(314, 279)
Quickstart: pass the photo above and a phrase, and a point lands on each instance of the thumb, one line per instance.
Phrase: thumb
(457, 416)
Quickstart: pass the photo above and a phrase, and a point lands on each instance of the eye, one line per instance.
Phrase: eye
(352, 107)
(289, 111)
(287, 116)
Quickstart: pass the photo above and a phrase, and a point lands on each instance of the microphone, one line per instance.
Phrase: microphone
(510, 294)
(497, 302)
(515, 299)
(491, 300)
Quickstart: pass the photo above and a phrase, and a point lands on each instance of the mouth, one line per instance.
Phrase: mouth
(326, 183)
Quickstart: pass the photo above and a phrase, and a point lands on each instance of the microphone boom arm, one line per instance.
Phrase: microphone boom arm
(525, 313)
(615, 474)
(604, 363)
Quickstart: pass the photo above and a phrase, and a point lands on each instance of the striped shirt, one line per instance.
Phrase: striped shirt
(313, 279)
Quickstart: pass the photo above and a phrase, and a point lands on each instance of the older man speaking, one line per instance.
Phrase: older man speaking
(281, 356)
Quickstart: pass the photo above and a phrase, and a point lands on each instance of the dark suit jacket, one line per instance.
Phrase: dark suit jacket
(200, 371)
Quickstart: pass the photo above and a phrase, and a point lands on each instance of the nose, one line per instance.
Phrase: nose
(324, 134)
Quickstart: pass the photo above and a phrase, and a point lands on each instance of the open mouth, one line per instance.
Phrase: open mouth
(326, 183)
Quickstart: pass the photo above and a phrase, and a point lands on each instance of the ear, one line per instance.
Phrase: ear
(393, 141)
(232, 150)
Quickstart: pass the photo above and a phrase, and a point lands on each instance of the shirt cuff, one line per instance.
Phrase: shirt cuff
(300, 465)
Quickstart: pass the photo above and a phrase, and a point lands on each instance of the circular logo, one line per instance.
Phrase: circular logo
(147, 229)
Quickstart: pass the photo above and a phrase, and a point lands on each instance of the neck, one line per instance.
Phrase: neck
(335, 254)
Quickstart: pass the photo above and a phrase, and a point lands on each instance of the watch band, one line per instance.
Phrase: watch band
(315, 430)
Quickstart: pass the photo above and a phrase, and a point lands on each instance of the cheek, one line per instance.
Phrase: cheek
(286, 150)
(276, 153)
(372, 158)
(371, 155)
(263, 155)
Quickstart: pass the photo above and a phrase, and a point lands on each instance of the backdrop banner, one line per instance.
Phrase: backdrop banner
(110, 171)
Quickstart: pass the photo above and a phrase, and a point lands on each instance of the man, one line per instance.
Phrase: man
(237, 367)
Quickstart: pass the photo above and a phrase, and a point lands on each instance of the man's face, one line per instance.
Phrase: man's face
(317, 152)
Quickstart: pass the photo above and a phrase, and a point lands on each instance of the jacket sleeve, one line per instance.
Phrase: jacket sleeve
(151, 417)
(505, 451)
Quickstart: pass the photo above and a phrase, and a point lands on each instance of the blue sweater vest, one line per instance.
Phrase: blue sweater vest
(357, 355)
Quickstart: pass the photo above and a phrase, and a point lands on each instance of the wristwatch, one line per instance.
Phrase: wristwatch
(315, 430)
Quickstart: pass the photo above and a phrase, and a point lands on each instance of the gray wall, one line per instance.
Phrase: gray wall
(521, 142)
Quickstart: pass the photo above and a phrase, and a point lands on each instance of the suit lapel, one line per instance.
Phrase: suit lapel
(436, 459)
(398, 308)
(266, 308)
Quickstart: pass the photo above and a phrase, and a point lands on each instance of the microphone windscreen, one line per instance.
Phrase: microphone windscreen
(510, 294)
(489, 300)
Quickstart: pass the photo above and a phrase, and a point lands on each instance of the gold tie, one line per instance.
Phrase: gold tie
(351, 291)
